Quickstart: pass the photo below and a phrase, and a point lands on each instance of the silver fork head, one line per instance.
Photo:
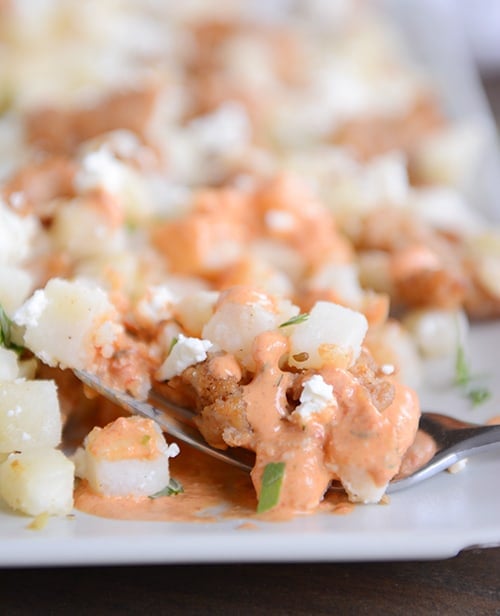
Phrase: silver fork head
(172, 418)
(455, 439)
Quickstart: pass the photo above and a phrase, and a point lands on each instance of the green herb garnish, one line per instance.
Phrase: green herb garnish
(145, 439)
(479, 395)
(173, 487)
(272, 479)
(172, 344)
(463, 379)
(462, 372)
(6, 333)
(300, 318)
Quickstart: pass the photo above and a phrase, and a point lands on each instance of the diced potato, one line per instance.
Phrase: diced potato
(9, 370)
(16, 233)
(128, 457)
(28, 368)
(66, 321)
(38, 481)
(15, 286)
(83, 230)
(452, 155)
(438, 333)
(343, 278)
(29, 415)
(483, 252)
(240, 316)
(194, 310)
(395, 350)
(332, 334)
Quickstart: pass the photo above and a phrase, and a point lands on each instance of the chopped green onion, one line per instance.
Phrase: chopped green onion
(272, 479)
(300, 318)
(173, 487)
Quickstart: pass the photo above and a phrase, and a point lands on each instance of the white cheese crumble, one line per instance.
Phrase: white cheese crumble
(185, 352)
(100, 169)
(316, 396)
(16, 234)
(223, 131)
(457, 466)
(278, 220)
(29, 313)
(157, 305)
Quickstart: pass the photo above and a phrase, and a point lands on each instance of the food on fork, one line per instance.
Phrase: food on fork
(263, 216)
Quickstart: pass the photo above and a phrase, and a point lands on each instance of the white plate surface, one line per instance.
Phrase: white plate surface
(434, 520)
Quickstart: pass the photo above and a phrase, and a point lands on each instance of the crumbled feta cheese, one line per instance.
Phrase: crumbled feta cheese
(156, 306)
(457, 467)
(29, 313)
(185, 352)
(316, 397)
(387, 369)
(279, 220)
(225, 130)
(100, 169)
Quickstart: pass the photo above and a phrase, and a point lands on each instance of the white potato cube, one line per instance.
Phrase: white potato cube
(29, 415)
(343, 278)
(484, 253)
(128, 457)
(38, 481)
(242, 314)
(82, 230)
(437, 333)
(9, 369)
(360, 486)
(16, 234)
(15, 286)
(451, 156)
(194, 311)
(332, 334)
(446, 209)
(67, 321)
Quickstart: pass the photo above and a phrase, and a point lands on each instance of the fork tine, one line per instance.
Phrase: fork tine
(165, 418)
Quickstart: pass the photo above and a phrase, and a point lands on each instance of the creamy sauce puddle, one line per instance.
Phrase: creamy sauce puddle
(213, 491)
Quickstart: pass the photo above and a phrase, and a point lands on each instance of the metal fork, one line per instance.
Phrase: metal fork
(455, 439)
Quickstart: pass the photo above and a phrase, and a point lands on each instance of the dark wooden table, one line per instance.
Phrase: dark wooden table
(468, 584)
